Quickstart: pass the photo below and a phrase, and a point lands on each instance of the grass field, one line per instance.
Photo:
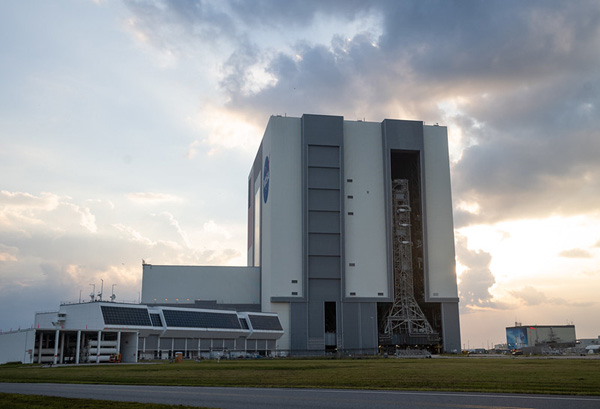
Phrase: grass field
(510, 375)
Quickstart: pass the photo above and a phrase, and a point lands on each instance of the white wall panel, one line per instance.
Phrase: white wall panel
(283, 311)
(365, 240)
(441, 275)
(82, 316)
(282, 212)
(17, 346)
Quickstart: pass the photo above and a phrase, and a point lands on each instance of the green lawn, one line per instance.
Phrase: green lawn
(510, 375)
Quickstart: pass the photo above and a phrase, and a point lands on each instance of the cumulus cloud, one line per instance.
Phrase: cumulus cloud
(24, 211)
(530, 296)
(52, 247)
(575, 253)
(477, 280)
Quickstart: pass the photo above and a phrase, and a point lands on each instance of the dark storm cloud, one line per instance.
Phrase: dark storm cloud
(171, 23)
(492, 40)
(526, 76)
(308, 81)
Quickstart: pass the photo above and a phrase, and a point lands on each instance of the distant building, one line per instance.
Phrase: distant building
(555, 336)
(588, 345)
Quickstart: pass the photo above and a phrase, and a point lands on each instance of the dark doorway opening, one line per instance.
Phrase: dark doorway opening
(330, 325)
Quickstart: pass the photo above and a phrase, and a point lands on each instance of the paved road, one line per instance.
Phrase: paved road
(250, 398)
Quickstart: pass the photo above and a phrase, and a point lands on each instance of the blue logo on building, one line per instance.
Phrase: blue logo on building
(266, 176)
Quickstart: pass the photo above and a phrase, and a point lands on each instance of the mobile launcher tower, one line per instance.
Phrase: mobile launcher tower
(350, 223)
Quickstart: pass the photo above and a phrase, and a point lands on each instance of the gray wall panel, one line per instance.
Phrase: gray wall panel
(179, 344)
(351, 325)
(451, 327)
(360, 326)
(323, 244)
(152, 342)
(328, 200)
(324, 178)
(368, 314)
(405, 135)
(322, 129)
(192, 344)
(323, 156)
(323, 222)
(165, 343)
(298, 331)
(324, 267)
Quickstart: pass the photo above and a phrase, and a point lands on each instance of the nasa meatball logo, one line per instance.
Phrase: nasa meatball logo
(266, 176)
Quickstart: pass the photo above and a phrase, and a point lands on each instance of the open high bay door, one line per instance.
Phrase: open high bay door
(406, 323)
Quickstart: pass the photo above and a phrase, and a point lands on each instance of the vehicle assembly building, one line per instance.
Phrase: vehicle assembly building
(350, 238)
(350, 248)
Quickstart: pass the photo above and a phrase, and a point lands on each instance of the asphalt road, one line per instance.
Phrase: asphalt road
(250, 398)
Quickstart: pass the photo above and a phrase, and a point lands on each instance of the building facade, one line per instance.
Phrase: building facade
(337, 263)
(98, 331)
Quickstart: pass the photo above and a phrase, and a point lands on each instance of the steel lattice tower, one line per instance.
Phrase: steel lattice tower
(405, 315)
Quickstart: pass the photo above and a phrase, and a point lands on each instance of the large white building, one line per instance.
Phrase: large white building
(350, 238)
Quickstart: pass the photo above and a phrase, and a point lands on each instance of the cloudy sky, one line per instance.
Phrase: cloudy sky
(128, 128)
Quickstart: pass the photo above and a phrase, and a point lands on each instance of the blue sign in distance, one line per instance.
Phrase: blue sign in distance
(266, 176)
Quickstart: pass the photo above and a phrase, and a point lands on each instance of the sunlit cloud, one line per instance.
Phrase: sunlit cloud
(224, 130)
(475, 278)
(24, 211)
(575, 253)
(531, 296)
